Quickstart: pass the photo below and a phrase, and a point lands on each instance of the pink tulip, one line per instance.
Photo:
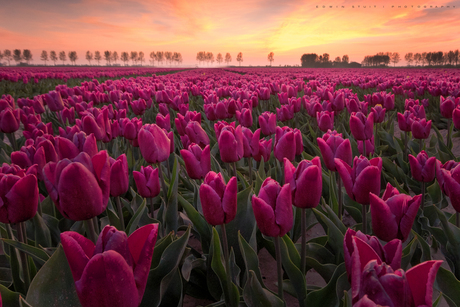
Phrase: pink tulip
(362, 179)
(154, 143)
(306, 182)
(362, 128)
(325, 120)
(267, 123)
(230, 143)
(265, 149)
(273, 208)
(332, 146)
(147, 182)
(405, 121)
(197, 161)
(422, 167)
(218, 199)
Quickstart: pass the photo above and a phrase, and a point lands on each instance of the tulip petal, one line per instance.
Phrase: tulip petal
(367, 181)
(78, 251)
(421, 279)
(212, 205)
(107, 282)
(384, 224)
(229, 200)
(23, 199)
(344, 171)
(365, 302)
(265, 217)
(393, 253)
(408, 218)
(283, 210)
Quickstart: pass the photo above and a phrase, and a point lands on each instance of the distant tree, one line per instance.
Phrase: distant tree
(395, 58)
(409, 57)
(456, 59)
(27, 55)
(115, 56)
(417, 58)
(179, 58)
(97, 57)
(201, 57)
(168, 57)
(141, 57)
(209, 57)
(153, 57)
(89, 56)
(107, 57)
(271, 57)
(219, 58)
(239, 58)
(134, 56)
(345, 59)
(228, 58)
(62, 57)
(1, 55)
(44, 56)
(8, 56)
(423, 59)
(337, 61)
(160, 57)
(125, 57)
(53, 57)
(308, 59)
(17, 56)
(451, 57)
(73, 57)
(325, 58)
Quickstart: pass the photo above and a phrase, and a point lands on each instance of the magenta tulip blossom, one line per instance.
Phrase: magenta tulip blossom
(230, 143)
(288, 143)
(153, 143)
(119, 176)
(267, 123)
(393, 218)
(362, 127)
(113, 272)
(306, 182)
(265, 150)
(147, 181)
(197, 161)
(362, 179)
(79, 188)
(218, 199)
(273, 208)
(244, 117)
(422, 167)
(332, 146)
(325, 120)
(447, 106)
(379, 113)
(405, 121)
(421, 128)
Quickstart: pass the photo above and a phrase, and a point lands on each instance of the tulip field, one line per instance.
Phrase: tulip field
(229, 187)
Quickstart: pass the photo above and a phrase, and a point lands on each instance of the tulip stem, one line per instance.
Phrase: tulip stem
(250, 170)
(303, 224)
(364, 215)
(22, 236)
(120, 213)
(339, 192)
(279, 267)
(163, 183)
(423, 195)
(406, 137)
(12, 139)
(234, 170)
(421, 144)
(449, 133)
(90, 232)
(226, 258)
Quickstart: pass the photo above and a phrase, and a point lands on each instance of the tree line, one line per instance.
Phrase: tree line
(111, 57)
(208, 58)
(438, 58)
(324, 60)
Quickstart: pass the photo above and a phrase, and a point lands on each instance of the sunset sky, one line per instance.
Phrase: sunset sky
(253, 27)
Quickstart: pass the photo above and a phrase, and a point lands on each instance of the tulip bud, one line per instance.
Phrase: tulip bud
(197, 161)
(119, 176)
(422, 168)
(306, 182)
(332, 145)
(154, 143)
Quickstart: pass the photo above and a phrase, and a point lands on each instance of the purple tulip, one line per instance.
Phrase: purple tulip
(119, 176)
(362, 128)
(362, 179)
(163, 122)
(288, 143)
(9, 120)
(325, 120)
(265, 149)
(147, 182)
(79, 188)
(447, 106)
(244, 117)
(230, 143)
(393, 218)
(113, 272)
(196, 134)
(332, 146)
(218, 199)
(267, 123)
(421, 128)
(273, 208)
(154, 143)
(405, 121)
(422, 167)
(197, 161)
(379, 113)
(306, 182)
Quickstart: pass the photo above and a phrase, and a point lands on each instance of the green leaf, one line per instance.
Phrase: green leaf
(9, 298)
(42, 233)
(53, 285)
(448, 285)
(435, 192)
(426, 253)
(134, 221)
(161, 276)
(256, 296)
(37, 253)
(295, 275)
(231, 293)
(171, 215)
(251, 260)
(335, 236)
